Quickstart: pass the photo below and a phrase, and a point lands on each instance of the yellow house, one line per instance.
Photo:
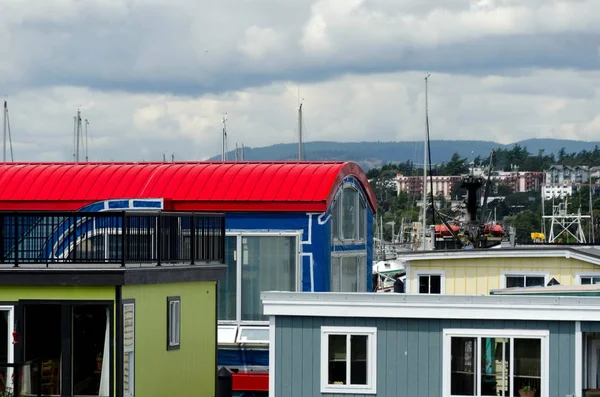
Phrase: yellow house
(479, 271)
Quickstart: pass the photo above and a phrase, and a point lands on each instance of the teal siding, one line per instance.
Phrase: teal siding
(590, 326)
(409, 354)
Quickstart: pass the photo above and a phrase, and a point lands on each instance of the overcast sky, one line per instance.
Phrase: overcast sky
(155, 76)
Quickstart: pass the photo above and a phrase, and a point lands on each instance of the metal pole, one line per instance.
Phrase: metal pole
(300, 132)
(4, 147)
(424, 223)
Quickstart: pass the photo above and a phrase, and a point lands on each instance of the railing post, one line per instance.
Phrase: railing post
(16, 230)
(123, 238)
(193, 238)
(158, 239)
(2, 239)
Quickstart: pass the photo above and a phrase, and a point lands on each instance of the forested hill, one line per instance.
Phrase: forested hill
(375, 154)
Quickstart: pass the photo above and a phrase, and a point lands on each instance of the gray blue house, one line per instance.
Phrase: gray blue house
(376, 344)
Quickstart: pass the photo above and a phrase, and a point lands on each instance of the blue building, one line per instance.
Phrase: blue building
(290, 226)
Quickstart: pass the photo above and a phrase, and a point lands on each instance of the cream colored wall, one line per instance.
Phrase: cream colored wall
(480, 275)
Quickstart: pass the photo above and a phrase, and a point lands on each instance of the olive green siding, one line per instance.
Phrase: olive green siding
(409, 354)
(15, 293)
(190, 370)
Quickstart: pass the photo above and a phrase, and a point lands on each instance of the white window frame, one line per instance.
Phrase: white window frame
(173, 322)
(239, 234)
(130, 350)
(371, 386)
(523, 274)
(579, 276)
(544, 335)
(337, 215)
(348, 254)
(245, 341)
(419, 273)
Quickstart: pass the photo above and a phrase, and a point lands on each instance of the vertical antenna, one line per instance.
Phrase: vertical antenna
(4, 110)
(7, 130)
(78, 133)
(224, 137)
(424, 223)
(172, 157)
(86, 141)
(164, 157)
(74, 137)
(300, 132)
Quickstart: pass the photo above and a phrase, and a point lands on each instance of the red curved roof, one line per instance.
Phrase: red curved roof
(185, 186)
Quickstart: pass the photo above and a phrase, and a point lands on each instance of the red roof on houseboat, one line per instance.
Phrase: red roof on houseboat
(185, 186)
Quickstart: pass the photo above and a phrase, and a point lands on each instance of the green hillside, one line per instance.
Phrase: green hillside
(375, 154)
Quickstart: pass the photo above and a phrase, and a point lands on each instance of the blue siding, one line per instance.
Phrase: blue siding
(409, 354)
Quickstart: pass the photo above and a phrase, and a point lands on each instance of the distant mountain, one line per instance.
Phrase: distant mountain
(375, 154)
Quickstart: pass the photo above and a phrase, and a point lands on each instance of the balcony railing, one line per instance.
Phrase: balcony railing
(111, 237)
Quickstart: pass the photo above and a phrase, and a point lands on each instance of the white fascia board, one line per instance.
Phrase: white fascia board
(538, 253)
(449, 307)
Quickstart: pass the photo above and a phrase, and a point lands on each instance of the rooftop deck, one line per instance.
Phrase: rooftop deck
(100, 240)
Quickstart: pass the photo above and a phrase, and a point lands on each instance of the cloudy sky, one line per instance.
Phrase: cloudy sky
(155, 76)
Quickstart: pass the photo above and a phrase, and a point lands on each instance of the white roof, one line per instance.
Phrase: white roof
(400, 305)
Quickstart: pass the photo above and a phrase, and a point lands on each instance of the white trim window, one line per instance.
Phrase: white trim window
(129, 349)
(174, 322)
(349, 360)
(520, 280)
(431, 282)
(495, 362)
(588, 278)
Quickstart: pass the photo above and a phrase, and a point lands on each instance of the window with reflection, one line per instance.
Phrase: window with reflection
(349, 216)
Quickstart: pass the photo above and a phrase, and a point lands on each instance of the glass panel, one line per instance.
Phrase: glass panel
(253, 334)
(515, 281)
(42, 342)
(362, 220)
(534, 281)
(527, 365)
(336, 263)
(494, 367)
(586, 280)
(269, 265)
(335, 219)
(228, 285)
(596, 280)
(423, 284)
(362, 274)
(358, 359)
(435, 284)
(462, 366)
(91, 342)
(349, 274)
(349, 213)
(337, 359)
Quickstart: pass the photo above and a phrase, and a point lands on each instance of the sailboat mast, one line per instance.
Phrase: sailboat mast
(224, 137)
(425, 147)
(5, 110)
(300, 132)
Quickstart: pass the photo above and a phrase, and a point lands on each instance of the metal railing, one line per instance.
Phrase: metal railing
(111, 237)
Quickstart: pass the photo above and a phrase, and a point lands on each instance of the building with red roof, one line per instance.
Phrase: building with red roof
(290, 226)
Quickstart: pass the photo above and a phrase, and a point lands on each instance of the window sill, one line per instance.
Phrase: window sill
(349, 389)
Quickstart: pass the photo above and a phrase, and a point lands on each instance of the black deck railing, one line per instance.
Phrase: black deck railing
(111, 237)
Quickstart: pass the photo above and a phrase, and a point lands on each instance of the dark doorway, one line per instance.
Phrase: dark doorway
(43, 344)
(89, 337)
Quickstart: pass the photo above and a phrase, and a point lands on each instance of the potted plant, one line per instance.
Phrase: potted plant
(527, 391)
(99, 362)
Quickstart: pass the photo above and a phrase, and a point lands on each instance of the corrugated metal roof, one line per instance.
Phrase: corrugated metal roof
(214, 186)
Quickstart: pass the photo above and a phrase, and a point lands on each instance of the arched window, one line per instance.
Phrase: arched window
(349, 216)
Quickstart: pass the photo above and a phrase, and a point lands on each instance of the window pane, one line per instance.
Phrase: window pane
(527, 364)
(596, 280)
(435, 284)
(423, 284)
(336, 264)
(515, 281)
(335, 219)
(494, 366)
(349, 274)
(227, 285)
(586, 280)
(362, 274)
(358, 359)
(362, 220)
(534, 281)
(349, 213)
(337, 360)
(462, 366)
(269, 264)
